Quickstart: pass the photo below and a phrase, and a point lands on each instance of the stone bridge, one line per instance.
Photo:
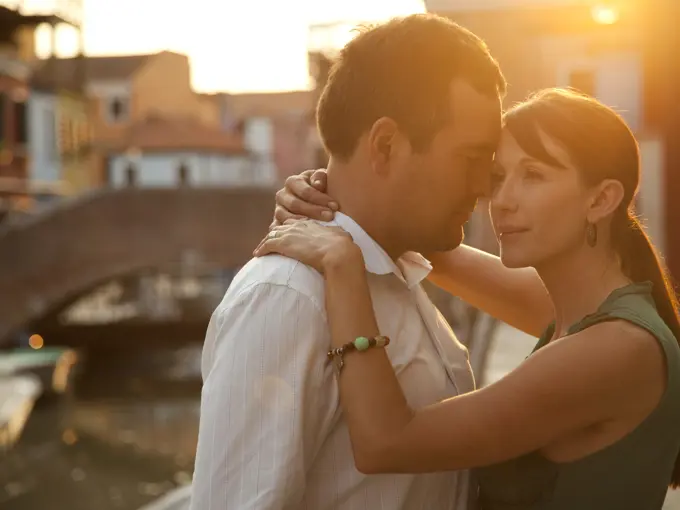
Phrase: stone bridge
(48, 260)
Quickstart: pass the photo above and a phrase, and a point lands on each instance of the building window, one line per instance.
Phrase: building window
(50, 127)
(84, 132)
(117, 109)
(131, 175)
(3, 103)
(183, 174)
(583, 81)
(66, 140)
(20, 122)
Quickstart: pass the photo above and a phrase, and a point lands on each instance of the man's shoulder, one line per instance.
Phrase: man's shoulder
(277, 271)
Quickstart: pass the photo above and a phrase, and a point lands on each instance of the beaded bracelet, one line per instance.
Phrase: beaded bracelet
(359, 344)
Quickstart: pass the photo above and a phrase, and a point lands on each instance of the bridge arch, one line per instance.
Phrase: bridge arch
(49, 259)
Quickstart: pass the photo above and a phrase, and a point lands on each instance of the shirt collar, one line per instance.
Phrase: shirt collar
(411, 268)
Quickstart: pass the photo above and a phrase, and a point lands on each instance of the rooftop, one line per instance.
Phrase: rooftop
(159, 134)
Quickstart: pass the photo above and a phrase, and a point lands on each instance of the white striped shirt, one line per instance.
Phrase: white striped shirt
(272, 435)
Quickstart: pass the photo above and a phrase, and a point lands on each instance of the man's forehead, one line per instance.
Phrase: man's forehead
(475, 117)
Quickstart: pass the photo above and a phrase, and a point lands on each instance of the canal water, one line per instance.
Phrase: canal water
(124, 437)
(127, 433)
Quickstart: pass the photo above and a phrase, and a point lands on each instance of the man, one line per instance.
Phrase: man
(410, 116)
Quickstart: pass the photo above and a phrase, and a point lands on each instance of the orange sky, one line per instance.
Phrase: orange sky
(246, 45)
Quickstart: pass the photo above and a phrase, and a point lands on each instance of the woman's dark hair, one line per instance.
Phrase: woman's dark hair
(601, 146)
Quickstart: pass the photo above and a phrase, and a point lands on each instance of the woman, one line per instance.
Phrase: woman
(591, 420)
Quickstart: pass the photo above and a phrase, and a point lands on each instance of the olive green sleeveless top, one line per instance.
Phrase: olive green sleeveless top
(631, 474)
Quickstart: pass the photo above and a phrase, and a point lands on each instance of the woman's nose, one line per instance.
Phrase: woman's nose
(504, 196)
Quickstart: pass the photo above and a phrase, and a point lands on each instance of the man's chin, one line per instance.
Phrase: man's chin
(450, 242)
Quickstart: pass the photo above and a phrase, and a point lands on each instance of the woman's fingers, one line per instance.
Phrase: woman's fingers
(296, 206)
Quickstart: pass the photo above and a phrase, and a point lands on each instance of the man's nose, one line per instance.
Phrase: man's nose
(480, 183)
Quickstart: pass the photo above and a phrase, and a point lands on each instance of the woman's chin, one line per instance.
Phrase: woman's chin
(514, 260)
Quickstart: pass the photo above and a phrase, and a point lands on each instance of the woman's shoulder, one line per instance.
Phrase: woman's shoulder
(629, 338)
(615, 352)
(629, 311)
(616, 337)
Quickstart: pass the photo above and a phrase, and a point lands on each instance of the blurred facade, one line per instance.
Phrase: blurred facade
(18, 23)
(560, 44)
(277, 129)
(71, 125)
(146, 125)
(59, 130)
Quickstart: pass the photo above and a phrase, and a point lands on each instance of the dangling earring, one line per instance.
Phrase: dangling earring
(591, 234)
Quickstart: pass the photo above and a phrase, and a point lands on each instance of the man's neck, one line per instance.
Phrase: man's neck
(350, 187)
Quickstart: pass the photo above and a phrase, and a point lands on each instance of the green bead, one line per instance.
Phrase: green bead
(362, 343)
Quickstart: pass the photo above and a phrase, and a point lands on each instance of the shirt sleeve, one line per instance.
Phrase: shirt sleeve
(268, 401)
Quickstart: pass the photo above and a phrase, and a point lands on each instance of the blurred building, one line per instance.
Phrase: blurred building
(162, 151)
(18, 22)
(125, 93)
(661, 144)
(560, 43)
(277, 129)
(60, 129)
(146, 126)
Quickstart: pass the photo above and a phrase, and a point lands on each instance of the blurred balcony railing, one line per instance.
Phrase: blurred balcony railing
(10, 186)
(68, 11)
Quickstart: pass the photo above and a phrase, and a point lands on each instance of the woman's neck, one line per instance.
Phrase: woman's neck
(579, 282)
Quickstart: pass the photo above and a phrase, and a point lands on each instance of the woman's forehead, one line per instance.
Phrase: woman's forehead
(537, 145)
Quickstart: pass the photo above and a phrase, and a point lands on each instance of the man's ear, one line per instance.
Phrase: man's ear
(384, 140)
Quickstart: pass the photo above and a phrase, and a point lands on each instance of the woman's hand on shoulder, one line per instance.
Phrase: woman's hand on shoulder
(322, 247)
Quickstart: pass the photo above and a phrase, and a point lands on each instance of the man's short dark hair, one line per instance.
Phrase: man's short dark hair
(402, 69)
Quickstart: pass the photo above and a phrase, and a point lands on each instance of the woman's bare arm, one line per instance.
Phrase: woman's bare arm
(570, 385)
(515, 296)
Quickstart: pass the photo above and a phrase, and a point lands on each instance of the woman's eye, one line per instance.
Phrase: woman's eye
(533, 174)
